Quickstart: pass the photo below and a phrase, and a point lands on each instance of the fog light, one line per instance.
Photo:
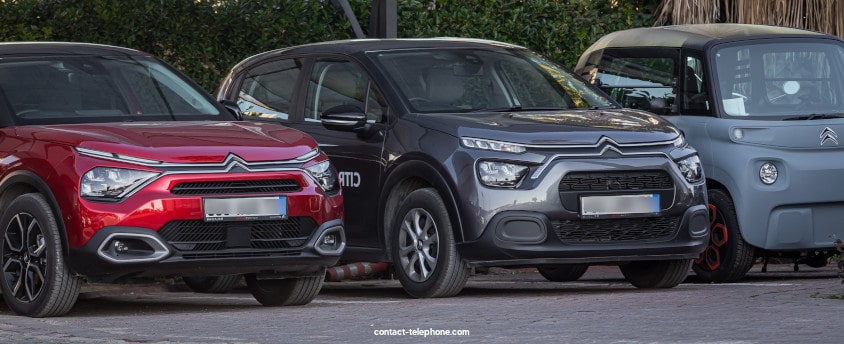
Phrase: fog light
(768, 173)
(329, 240)
(120, 247)
(332, 242)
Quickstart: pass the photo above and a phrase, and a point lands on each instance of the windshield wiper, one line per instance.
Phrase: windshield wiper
(813, 116)
(521, 108)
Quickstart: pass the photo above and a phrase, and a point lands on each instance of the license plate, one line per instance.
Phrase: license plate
(618, 205)
(244, 209)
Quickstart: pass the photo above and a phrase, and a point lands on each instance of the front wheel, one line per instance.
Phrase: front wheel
(285, 292)
(728, 257)
(423, 249)
(563, 273)
(656, 274)
(36, 281)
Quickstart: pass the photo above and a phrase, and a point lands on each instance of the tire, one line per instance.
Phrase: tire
(423, 249)
(212, 284)
(285, 292)
(37, 281)
(563, 273)
(728, 257)
(657, 274)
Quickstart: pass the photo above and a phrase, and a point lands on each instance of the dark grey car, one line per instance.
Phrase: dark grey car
(457, 153)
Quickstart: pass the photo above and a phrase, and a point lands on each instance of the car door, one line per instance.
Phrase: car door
(295, 92)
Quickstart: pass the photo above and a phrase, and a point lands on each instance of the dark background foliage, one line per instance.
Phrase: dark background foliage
(204, 38)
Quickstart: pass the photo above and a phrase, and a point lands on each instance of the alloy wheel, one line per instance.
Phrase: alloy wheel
(24, 257)
(418, 244)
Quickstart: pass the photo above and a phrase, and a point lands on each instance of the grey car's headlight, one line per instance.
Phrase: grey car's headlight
(690, 168)
(324, 174)
(498, 146)
(112, 184)
(501, 174)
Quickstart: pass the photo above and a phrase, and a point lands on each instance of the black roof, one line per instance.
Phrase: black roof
(357, 46)
(62, 48)
(697, 36)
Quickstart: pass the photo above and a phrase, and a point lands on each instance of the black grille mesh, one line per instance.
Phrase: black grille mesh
(615, 230)
(203, 238)
(629, 180)
(236, 187)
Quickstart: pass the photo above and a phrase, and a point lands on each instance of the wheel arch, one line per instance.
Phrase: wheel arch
(22, 182)
(407, 177)
(712, 184)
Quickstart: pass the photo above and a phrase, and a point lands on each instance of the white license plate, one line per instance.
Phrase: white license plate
(618, 205)
(244, 209)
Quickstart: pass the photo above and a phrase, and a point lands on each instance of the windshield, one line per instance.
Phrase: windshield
(466, 80)
(97, 89)
(781, 80)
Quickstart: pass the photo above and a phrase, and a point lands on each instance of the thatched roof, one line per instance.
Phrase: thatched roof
(817, 15)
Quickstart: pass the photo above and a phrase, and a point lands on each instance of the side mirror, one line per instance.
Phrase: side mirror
(660, 106)
(344, 118)
(233, 108)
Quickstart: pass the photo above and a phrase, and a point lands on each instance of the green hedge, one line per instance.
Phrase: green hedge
(204, 38)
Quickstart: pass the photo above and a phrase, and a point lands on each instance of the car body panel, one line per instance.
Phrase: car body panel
(404, 146)
(192, 157)
(795, 213)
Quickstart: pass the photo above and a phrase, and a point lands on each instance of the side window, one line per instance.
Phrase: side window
(268, 89)
(695, 88)
(735, 79)
(335, 83)
(637, 80)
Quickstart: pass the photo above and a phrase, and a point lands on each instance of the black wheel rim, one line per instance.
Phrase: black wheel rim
(24, 257)
(711, 258)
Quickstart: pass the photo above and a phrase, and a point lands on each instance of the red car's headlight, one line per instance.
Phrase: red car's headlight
(112, 184)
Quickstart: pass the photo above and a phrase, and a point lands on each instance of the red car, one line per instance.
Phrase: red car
(115, 167)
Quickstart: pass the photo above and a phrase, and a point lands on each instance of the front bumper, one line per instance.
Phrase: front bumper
(118, 252)
(802, 211)
(523, 238)
(542, 224)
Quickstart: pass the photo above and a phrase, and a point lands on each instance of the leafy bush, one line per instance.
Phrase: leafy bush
(204, 38)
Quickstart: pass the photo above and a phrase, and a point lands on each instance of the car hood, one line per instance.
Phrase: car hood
(568, 127)
(181, 142)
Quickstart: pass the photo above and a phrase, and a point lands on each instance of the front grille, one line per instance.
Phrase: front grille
(248, 237)
(578, 184)
(627, 180)
(236, 187)
(616, 230)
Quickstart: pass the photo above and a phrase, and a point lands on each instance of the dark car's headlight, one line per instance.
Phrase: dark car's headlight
(492, 145)
(501, 174)
(112, 184)
(690, 168)
(324, 174)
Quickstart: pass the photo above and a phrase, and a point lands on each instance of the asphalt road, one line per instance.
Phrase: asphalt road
(505, 306)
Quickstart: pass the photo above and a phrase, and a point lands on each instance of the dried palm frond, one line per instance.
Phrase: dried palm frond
(816, 15)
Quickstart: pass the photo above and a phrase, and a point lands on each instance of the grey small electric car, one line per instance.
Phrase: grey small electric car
(764, 106)
(459, 153)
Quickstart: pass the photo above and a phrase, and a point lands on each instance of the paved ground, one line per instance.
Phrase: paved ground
(506, 306)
